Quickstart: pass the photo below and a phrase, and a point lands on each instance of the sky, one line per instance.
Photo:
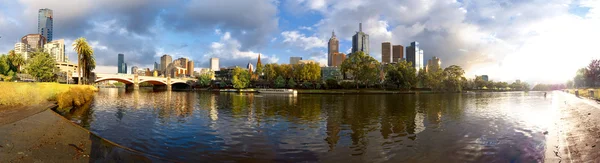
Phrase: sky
(539, 41)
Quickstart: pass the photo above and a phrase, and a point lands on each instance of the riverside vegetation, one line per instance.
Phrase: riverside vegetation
(67, 96)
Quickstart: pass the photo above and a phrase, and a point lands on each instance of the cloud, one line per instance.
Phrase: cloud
(228, 50)
(295, 38)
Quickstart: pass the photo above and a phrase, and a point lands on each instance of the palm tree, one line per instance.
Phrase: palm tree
(16, 60)
(85, 58)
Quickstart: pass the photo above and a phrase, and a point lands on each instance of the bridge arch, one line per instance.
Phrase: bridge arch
(153, 82)
(122, 80)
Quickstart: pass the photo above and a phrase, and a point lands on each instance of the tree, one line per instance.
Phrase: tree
(16, 60)
(579, 79)
(401, 74)
(593, 73)
(204, 79)
(241, 78)
(279, 82)
(479, 82)
(362, 67)
(433, 79)
(42, 67)
(85, 58)
(291, 83)
(270, 73)
(453, 77)
(569, 84)
(4, 65)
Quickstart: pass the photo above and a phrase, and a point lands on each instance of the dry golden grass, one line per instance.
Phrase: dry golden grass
(585, 93)
(14, 94)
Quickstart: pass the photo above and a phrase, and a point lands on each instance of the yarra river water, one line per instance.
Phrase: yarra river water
(203, 126)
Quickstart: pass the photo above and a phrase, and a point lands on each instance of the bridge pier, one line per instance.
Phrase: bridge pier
(136, 82)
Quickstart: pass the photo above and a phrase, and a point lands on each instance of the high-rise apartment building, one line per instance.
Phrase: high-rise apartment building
(34, 41)
(165, 62)
(338, 58)
(414, 55)
(21, 48)
(45, 19)
(121, 65)
(295, 60)
(360, 41)
(214, 64)
(397, 53)
(156, 66)
(386, 50)
(433, 64)
(332, 47)
(56, 49)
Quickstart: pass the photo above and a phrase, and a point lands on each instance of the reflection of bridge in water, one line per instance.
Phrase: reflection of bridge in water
(132, 81)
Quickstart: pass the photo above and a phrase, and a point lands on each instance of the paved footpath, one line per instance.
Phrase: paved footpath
(575, 136)
(45, 136)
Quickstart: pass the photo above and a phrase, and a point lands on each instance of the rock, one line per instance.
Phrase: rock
(593, 146)
(589, 113)
(545, 132)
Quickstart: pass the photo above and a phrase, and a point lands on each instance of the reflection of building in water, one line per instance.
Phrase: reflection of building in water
(419, 122)
(334, 119)
(212, 104)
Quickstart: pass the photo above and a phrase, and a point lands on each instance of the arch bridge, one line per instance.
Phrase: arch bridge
(134, 80)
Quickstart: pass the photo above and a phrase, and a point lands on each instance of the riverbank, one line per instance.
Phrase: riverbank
(27, 94)
(585, 92)
(41, 135)
(352, 91)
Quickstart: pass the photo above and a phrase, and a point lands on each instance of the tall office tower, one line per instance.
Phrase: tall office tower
(156, 66)
(165, 61)
(433, 64)
(56, 49)
(420, 60)
(34, 41)
(397, 53)
(413, 55)
(295, 60)
(332, 47)
(338, 58)
(45, 19)
(360, 41)
(214, 64)
(121, 66)
(190, 68)
(386, 50)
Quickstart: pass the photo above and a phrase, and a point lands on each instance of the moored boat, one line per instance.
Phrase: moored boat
(278, 91)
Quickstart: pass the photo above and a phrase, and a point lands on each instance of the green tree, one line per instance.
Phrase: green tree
(85, 58)
(10, 76)
(401, 74)
(291, 83)
(16, 60)
(279, 82)
(270, 73)
(241, 78)
(593, 73)
(259, 70)
(479, 82)
(42, 67)
(433, 79)
(453, 77)
(362, 67)
(579, 79)
(204, 79)
(4, 64)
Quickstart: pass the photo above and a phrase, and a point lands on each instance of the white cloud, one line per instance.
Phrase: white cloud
(295, 38)
(228, 50)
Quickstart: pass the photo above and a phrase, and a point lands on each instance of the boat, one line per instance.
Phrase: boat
(278, 91)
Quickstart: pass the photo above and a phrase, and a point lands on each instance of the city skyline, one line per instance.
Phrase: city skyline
(460, 33)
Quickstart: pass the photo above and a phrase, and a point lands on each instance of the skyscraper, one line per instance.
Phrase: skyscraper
(45, 19)
(214, 64)
(122, 66)
(190, 68)
(360, 41)
(332, 48)
(295, 60)
(433, 64)
(34, 41)
(56, 49)
(338, 58)
(21, 48)
(386, 50)
(156, 66)
(398, 53)
(414, 55)
(165, 62)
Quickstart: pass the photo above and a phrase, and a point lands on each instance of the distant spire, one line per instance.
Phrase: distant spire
(258, 62)
(359, 27)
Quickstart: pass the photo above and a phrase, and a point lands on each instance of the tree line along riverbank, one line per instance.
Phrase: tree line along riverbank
(26, 94)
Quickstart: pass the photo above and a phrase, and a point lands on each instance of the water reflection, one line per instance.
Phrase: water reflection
(195, 126)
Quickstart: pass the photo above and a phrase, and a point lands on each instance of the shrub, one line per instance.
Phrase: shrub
(348, 85)
(307, 85)
(74, 97)
(332, 84)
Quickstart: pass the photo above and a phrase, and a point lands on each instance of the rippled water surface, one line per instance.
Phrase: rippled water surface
(202, 126)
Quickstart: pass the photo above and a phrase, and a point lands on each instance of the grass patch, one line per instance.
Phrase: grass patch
(15, 94)
(586, 93)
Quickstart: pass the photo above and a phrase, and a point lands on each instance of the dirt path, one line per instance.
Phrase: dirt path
(577, 132)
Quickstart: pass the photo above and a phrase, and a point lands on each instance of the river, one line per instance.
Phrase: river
(203, 126)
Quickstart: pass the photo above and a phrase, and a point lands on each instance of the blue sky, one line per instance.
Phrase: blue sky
(505, 39)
